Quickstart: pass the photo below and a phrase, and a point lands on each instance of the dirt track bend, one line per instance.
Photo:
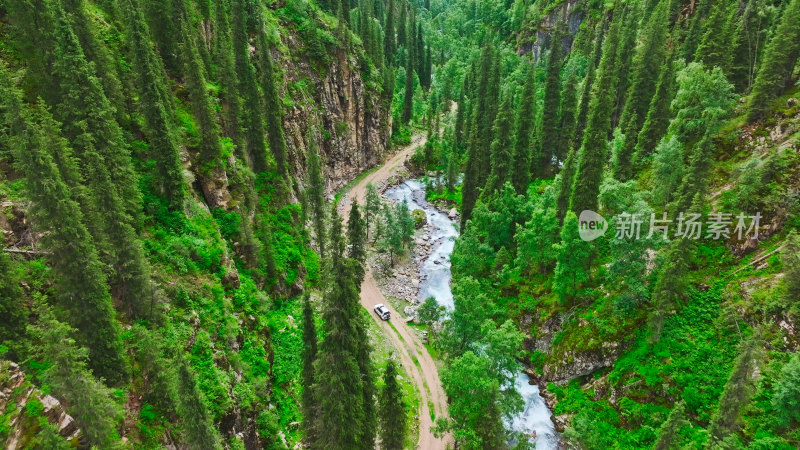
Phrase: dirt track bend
(415, 359)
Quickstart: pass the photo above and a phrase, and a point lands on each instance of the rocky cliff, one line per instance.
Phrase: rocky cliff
(352, 124)
(534, 39)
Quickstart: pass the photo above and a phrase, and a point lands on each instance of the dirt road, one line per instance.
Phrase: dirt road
(415, 359)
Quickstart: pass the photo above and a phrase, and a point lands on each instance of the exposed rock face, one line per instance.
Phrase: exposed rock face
(572, 12)
(15, 393)
(352, 114)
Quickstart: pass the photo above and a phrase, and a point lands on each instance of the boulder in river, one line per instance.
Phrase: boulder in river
(452, 214)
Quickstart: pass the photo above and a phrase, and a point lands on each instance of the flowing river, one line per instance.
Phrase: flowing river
(435, 282)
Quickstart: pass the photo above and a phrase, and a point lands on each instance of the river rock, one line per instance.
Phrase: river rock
(452, 214)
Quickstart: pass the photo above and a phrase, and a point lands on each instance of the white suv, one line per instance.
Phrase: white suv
(382, 311)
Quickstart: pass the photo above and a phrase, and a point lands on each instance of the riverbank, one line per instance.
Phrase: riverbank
(425, 272)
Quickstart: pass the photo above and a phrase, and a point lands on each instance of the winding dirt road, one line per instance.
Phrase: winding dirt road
(415, 359)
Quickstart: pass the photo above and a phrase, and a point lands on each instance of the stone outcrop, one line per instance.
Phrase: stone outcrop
(16, 392)
(572, 12)
(348, 118)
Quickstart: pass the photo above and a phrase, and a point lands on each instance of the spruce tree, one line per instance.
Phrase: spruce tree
(339, 387)
(392, 412)
(646, 63)
(229, 78)
(165, 29)
(714, 49)
(588, 81)
(780, 57)
(625, 51)
(408, 95)
(277, 143)
(198, 427)
(389, 42)
(668, 434)
(90, 126)
(592, 154)
(97, 53)
(150, 84)
(479, 135)
(736, 394)
(309, 355)
(81, 284)
(520, 159)
(88, 120)
(569, 100)
(658, 113)
(248, 88)
(550, 133)
(565, 182)
(572, 260)
(210, 150)
(315, 192)
(357, 240)
(402, 38)
(501, 148)
(64, 371)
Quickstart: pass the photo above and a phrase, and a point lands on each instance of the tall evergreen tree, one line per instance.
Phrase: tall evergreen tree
(645, 71)
(714, 49)
(228, 76)
(315, 192)
(658, 113)
(389, 42)
(89, 124)
(736, 394)
(408, 96)
(625, 50)
(592, 155)
(165, 31)
(150, 83)
(248, 87)
(668, 434)
(566, 129)
(520, 159)
(198, 427)
(392, 410)
(277, 143)
(210, 150)
(550, 134)
(588, 81)
(357, 240)
(339, 389)
(97, 53)
(780, 57)
(479, 142)
(501, 148)
(64, 371)
(309, 355)
(87, 118)
(81, 283)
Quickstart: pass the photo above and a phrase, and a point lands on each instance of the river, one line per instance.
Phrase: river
(435, 282)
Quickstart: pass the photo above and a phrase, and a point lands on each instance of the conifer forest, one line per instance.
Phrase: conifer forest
(400, 224)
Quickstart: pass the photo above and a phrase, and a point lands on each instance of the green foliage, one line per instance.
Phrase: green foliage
(572, 260)
(392, 410)
(62, 366)
(780, 57)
